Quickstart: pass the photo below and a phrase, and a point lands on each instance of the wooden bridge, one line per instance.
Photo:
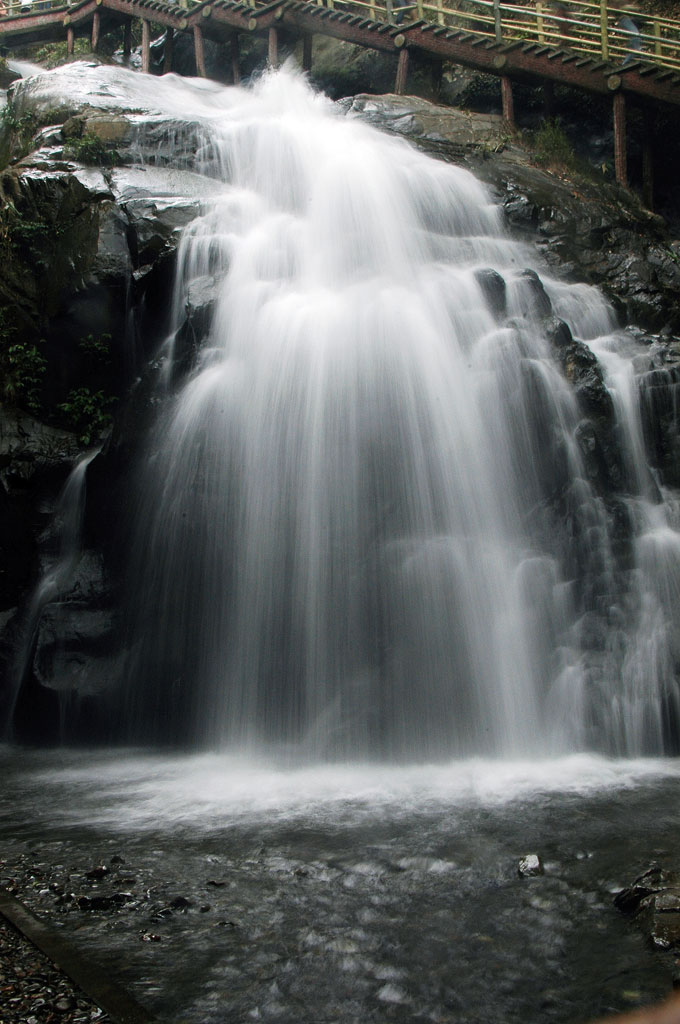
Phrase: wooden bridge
(589, 45)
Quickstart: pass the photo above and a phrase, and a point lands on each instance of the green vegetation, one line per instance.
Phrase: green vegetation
(96, 350)
(87, 413)
(89, 149)
(22, 234)
(16, 132)
(552, 147)
(22, 369)
(51, 55)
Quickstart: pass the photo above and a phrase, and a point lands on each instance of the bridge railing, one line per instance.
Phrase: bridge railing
(592, 28)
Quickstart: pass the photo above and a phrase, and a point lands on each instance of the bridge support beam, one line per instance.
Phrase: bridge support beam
(401, 73)
(307, 51)
(235, 49)
(620, 155)
(647, 167)
(273, 49)
(127, 39)
(96, 30)
(167, 50)
(548, 99)
(146, 46)
(199, 52)
(507, 100)
(70, 40)
(437, 74)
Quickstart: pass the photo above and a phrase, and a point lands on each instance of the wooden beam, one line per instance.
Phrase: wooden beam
(437, 72)
(402, 72)
(127, 39)
(96, 30)
(620, 156)
(70, 40)
(273, 48)
(146, 46)
(167, 50)
(199, 52)
(548, 99)
(507, 100)
(648, 163)
(235, 59)
(307, 51)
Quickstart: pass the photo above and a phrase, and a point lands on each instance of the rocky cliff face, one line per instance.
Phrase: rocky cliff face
(96, 193)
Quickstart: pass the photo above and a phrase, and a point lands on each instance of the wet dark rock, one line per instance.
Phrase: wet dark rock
(200, 306)
(538, 304)
(588, 230)
(530, 866)
(654, 902)
(494, 290)
(95, 902)
(181, 903)
(596, 434)
(97, 873)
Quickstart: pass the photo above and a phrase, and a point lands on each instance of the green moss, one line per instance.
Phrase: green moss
(27, 235)
(87, 413)
(552, 147)
(22, 371)
(52, 55)
(89, 149)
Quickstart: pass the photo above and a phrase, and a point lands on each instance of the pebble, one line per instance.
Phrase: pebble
(530, 866)
(33, 991)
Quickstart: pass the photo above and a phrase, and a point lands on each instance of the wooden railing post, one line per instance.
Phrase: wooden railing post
(497, 20)
(127, 39)
(648, 165)
(402, 72)
(307, 51)
(620, 154)
(235, 59)
(539, 21)
(604, 37)
(656, 29)
(507, 100)
(273, 48)
(96, 31)
(167, 50)
(146, 46)
(199, 52)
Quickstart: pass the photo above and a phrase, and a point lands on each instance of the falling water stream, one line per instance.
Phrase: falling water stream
(366, 523)
(374, 571)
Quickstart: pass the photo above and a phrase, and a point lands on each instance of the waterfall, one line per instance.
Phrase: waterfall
(63, 550)
(376, 517)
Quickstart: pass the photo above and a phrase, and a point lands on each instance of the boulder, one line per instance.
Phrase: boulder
(653, 900)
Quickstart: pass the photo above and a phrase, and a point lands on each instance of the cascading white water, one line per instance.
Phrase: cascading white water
(366, 522)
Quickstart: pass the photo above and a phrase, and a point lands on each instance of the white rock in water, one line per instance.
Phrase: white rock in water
(529, 866)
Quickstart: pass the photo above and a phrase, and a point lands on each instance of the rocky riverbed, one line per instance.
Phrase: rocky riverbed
(33, 990)
(215, 888)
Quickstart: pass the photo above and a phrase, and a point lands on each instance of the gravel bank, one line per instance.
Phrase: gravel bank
(33, 991)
